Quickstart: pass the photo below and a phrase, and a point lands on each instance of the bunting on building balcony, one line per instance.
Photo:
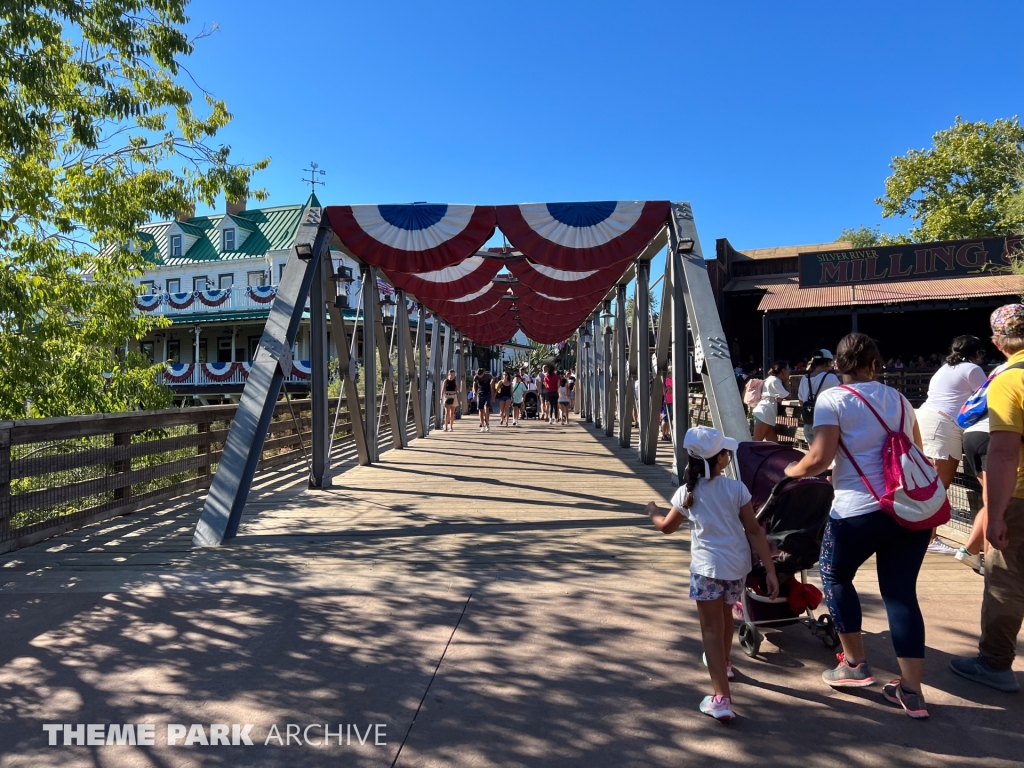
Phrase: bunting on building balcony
(302, 369)
(215, 297)
(261, 294)
(178, 373)
(219, 371)
(181, 300)
(149, 302)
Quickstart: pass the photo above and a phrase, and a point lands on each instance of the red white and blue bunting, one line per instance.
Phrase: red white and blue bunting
(302, 369)
(149, 302)
(178, 373)
(218, 371)
(215, 297)
(261, 294)
(181, 300)
(412, 238)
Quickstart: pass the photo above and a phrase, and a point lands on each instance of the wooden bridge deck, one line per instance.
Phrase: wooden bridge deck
(493, 599)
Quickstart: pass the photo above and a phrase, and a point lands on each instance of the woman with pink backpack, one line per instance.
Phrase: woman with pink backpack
(888, 496)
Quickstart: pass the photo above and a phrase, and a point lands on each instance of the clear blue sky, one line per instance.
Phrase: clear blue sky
(776, 120)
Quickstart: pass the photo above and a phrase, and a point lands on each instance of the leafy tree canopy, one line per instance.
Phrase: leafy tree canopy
(98, 135)
(968, 184)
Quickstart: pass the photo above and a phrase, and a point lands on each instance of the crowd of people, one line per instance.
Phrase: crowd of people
(507, 394)
(885, 459)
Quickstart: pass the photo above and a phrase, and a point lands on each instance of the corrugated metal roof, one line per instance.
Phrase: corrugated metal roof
(788, 294)
(270, 229)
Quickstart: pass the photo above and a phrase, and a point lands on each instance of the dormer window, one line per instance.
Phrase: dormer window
(228, 238)
(176, 249)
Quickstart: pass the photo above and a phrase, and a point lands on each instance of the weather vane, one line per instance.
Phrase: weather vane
(313, 172)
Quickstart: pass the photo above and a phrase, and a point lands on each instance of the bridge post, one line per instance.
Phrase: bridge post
(430, 412)
(229, 489)
(320, 476)
(642, 341)
(599, 378)
(349, 392)
(680, 367)
(387, 380)
(421, 373)
(625, 382)
(711, 350)
(661, 359)
(412, 372)
(402, 332)
(370, 361)
(610, 374)
(588, 381)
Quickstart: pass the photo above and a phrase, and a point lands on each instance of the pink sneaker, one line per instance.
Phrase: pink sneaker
(718, 707)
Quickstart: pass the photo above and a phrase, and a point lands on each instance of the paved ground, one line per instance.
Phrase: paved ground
(491, 599)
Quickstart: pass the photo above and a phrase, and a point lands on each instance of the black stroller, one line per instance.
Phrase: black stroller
(531, 405)
(793, 514)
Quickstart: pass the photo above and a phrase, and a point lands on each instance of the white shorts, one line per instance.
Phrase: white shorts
(940, 435)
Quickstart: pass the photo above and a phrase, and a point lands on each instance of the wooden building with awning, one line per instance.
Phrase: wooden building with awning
(782, 303)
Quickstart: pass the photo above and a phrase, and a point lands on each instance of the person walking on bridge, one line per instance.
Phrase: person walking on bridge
(518, 392)
(503, 396)
(450, 398)
(483, 388)
(551, 380)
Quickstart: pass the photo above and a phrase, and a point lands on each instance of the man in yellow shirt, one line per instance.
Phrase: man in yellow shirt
(1002, 609)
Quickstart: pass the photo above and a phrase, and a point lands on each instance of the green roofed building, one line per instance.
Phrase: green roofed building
(215, 277)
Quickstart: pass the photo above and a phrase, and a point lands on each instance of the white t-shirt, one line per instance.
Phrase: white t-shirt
(803, 392)
(767, 411)
(951, 385)
(982, 425)
(863, 436)
(719, 548)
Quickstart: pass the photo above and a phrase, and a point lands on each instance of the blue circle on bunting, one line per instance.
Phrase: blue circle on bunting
(412, 217)
(581, 214)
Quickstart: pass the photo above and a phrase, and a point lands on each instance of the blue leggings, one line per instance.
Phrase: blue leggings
(899, 552)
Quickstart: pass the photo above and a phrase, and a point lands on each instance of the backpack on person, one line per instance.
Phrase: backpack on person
(753, 391)
(914, 494)
(807, 407)
(976, 407)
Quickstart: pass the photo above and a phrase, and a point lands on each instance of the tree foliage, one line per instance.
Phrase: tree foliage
(968, 184)
(98, 135)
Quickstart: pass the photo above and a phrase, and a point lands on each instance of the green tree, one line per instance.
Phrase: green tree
(860, 237)
(98, 135)
(968, 184)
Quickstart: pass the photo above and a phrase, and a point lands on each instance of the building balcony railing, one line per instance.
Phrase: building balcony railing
(252, 297)
(226, 374)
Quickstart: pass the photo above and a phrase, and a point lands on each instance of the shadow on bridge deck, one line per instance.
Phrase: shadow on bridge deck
(493, 599)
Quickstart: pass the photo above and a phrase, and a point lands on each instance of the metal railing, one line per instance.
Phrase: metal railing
(62, 473)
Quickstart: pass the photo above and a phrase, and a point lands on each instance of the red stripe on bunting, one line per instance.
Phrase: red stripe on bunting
(558, 308)
(622, 248)
(471, 307)
(600, 281)
(366, 248)
(428, 290)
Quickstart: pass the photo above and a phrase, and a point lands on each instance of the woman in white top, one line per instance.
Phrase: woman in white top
(774, 389)
(948, 390)
(857, 528)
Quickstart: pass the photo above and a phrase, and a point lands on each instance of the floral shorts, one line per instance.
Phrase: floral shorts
(707, 588)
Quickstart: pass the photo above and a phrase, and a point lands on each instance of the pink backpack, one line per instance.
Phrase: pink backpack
(914, 495)
(753, 391)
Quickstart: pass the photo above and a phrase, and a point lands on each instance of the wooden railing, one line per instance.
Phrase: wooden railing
(62, 473)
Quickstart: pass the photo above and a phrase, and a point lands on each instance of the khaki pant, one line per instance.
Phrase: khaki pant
(1002, 610)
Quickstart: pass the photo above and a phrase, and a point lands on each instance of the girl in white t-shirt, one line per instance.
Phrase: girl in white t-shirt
(722, 531)
(774, 390)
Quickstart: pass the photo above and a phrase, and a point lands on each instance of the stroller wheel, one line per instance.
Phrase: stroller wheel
(827, 632)
(750, 639)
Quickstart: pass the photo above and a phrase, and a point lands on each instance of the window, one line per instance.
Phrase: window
(225, 281)
(257, 278)
(173, 351)
(228, 240)
(202, 351)
(147, 349)
(280, 271)
(147, 286)
(175, 245)
(199, 283)
(174, 286)
(224, 349)
(254, 345)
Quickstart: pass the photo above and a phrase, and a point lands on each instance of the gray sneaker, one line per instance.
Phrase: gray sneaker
(913, 703)
(846, 675)
(975, 668)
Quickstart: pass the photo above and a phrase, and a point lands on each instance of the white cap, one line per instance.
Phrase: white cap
(705, 442)
(823, 353)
